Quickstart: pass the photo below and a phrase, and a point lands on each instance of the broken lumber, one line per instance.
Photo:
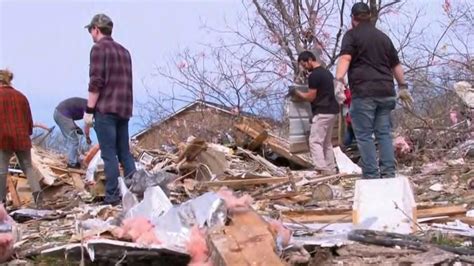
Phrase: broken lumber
(44, 174)
(192, 149)
(274, 170)
(245, 182)
(68, 170)
(258, 141)
(247, 240)
(278, 145)
(327, 216)
(13, 193)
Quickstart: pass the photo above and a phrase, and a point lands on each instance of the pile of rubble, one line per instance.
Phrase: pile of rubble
(209, 204)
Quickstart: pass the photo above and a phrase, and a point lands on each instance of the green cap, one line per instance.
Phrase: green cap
(101, 21)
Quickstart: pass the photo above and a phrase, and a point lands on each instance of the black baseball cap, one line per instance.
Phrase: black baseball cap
(360, 8)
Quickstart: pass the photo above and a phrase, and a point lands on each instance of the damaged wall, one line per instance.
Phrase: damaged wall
(204, 122)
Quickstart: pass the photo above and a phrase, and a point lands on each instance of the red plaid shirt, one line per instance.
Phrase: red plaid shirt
(110, 75)
(16, 123)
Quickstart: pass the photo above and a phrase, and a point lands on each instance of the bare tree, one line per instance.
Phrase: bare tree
(254, 61)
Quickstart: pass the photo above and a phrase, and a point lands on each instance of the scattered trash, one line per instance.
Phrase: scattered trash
(436, 187)
(344, 164)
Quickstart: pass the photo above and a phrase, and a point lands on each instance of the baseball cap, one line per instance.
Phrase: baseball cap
(101, 21)
(359, 9)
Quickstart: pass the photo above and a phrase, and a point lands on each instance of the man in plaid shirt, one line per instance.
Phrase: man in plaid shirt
(110, 102)
(16, 126)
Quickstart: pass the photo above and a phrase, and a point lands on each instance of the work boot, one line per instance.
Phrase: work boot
(74, 166)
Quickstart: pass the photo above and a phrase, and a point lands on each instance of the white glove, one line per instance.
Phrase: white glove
(89, 119)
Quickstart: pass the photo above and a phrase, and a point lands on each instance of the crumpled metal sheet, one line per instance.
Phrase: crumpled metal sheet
(174, 226)
(173, 223)
(142, 179)
(154, 204)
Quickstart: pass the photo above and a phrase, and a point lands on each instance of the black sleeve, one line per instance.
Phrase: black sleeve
(392, 54)
(314, 80)
(348, 44)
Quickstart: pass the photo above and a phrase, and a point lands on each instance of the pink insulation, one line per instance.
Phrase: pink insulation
(6, 239)
(453, 116)
(197, 248)
(139, 230)
(280, 231)
(401, 146)
(232, 202)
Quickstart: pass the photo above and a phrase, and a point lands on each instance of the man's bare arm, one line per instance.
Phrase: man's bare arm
(92, 100)
(307, 96)
(343, 66)
(398, 74)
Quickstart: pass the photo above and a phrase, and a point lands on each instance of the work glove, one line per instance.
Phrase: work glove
(88, 140)
(405, 96)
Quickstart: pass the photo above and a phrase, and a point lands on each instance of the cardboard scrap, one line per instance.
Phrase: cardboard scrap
(247, 240)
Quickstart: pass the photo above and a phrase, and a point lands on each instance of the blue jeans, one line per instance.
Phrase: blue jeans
(69, 129)
(112, 133)
(371, 116)
(348, 135)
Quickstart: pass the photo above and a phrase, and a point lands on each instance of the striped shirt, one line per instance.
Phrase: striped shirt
(110, 75)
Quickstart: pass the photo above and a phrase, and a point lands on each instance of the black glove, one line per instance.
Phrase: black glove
(79, 131)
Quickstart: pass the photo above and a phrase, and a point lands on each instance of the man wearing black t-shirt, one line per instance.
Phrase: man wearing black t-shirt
(371, 62)
(325, 109)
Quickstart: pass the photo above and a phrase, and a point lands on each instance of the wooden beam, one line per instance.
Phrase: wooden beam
(278, 145)
(327, 216)
(244, 182)
(258, 140)
(274, 170)
(247, 240)
(441, 211)
(68, 170)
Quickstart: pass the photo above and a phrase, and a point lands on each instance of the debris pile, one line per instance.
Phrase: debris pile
(210, 204)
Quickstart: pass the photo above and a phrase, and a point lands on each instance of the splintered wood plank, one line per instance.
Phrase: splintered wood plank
(13, 193)
(193, 149)
(279, 146)
(327, 216)
(68, 170)
(441, 211)
(43, 171)
(245, 182)
(78, 182)
(258, 141)
(264, 162)
(247, 240)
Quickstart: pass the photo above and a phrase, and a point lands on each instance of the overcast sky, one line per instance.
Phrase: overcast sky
(46, 46)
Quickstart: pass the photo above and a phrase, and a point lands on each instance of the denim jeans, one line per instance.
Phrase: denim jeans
(112, 133)
(24, 158)
(371, 116)
(348, 135)
(69, 130)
